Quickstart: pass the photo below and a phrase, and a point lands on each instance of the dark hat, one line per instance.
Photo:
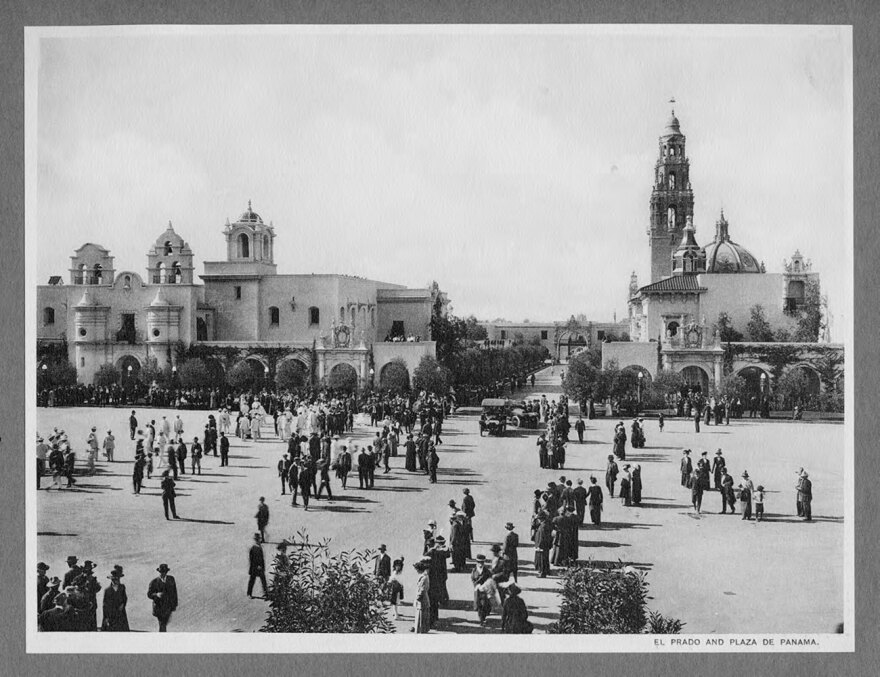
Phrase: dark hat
(538, 493)
(382, 547)
(116, 572)
(89, 564)
(481, 558)
(509, 525)
(495, 548)
(54, 582)
(686, 451)
(163, 568)
(760, 487)
(451, 502)
(72, 559)
(258, 536)
(439, 540)
(718, 453)
(513, 589)
(745, 473)
(42, 566)
(610, 457)
(283, 544)
(705, 453)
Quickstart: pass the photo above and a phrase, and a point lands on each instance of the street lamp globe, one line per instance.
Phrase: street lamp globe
(44, 368)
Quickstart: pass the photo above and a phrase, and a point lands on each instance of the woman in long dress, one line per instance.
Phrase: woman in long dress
(626, 487)
(637, 485)
(115, 601)
(422, 617)
(460, 540)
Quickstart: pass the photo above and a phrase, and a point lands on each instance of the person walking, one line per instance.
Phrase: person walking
(305, 483)
(636, 485)
(611, 472)
(262, 518)
(469, 508)
(324, 473)
(422, 603)
(579, 427)
(256, 565)
(459, 540)
(696, 487)
(798, 486)
(382, 567)
(181, 455)
(718, 464)
(196, 456)
(511, 550)
(109, 446)
(514, 614)
(224, 450)
(114, 604)
(343, 466)
(626, 486)
(132, 424)
(283, 468)
(728, 497)
(168, 495)
(543, 541)
(137, 473)
(42, 456)
(745, 496)
(594, 501)
(293, 480)
(163, 591)
(433, 462)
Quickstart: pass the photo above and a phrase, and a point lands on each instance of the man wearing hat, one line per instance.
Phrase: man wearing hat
(459, 539)
(73, 571)
(499, 568)
(109, 446)
(89, 587)
(579, 495)
(482, 600)
(805, 494)
(611, 472)
(382, 569)
(745, 495)
(168, 495)
(47, 601)
(42, 581)
(469, 508)
(115, 601)
(511, 550)
(429, 536)
(438, 574)
(132, 424)
(42, 455)
(58, 617)
(256, 566)
(703, 471)
(163, 592)
(718, 464)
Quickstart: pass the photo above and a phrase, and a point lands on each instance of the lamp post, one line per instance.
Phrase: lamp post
(763, 391)
(266, 377)
(641, 376)
(372, 376)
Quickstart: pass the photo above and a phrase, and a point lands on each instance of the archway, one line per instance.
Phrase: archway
(343, 377)
(291, 373)
(752, 377)
(394, 376)
(129, 369)
(696, 379)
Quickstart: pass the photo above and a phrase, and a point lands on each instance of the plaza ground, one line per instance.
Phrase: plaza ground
(715, 572)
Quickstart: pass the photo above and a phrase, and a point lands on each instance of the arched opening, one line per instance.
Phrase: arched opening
(671, 181)
(126, 282)
(353, 315)
(168, 248)
(372, 317)
(176, 274)
(159, 277)
(343, 377)
(754, 384)
(696, 379)
(291, 374)
(48, 316)
(342, 314)
(314, 316)
(244, 246)
(394, 376)
(670, 218)
(672, 328)
(274, 316)
(129, 370)
(201, 329)
(799, 386)
(98, 272)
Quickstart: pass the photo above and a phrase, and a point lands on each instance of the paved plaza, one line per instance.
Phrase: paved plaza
(715, 572)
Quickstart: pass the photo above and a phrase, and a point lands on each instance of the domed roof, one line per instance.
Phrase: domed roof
(250, 216)
(723, 255)
(672, 126)
(169, 236)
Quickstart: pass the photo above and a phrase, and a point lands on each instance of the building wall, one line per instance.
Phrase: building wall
(411, 353)
(415, 315)
(632, 353)
(735, 294)
(234, 319)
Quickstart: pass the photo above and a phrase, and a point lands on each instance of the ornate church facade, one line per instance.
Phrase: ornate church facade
(673, 319)
(244, 310)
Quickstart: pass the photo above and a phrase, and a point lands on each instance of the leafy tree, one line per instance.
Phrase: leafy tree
(343, 379)
(431, 376)
(151, 373)
(732, 386)
(312, 590)
(241, 376)
(56, 374)
(726, 332)
(667, 382)
(107, 375)
(810, 324)
(582, 378)
(781, 335)
(194, 374)
(792, 388)
(758, 329)
(474, 331)
(394, 376)
(290, 375)
(607, 598)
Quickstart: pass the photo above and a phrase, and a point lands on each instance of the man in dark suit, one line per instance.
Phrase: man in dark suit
(132, 424)
(686, 467)
(181, 455)
(224, 450)
(163, 592)
(42, 581)
(305, 482)
(469, 508)
(363, 460)
(594, 500)
(383, 565)
(580, 500)
(256, 566)
(805, 495)
(262, 518)
(73, 571)
(168, 495)
(510, 550)
(283, 469)
(293, 480)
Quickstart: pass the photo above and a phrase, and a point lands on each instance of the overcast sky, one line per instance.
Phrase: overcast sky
(515, 168)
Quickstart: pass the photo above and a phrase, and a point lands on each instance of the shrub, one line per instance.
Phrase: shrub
(431, 376)
(194, 374)
(607, 598)
(394, 377)
(241, 376)
(107, 375)
(56, 374)
(343, 379)
(291, 375)
(313, 591)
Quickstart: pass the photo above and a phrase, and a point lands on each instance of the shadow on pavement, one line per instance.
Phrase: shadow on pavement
(601, 544)
(198, 521)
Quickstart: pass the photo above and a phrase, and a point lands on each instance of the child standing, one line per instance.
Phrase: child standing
(759, 503)
(395, 587)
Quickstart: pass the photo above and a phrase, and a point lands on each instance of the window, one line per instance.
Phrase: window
(244, 247)
(82, 361)
(273, 315)
(543, 334)
(176, 274)
(671, 181)
(238, 293)
(353, 315)
(126, 282)
(372, 317)
(670, 218)
(82, 331)
(201, 329)
(48, 316)
(168, 248)
(159, 277)
(314, 316)
(126, 332)
(672, 328)
(342, 314)
(397, 329)
(156, 333)
(600, 335)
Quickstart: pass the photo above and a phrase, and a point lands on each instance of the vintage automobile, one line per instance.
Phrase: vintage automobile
(520, 417)
(493, 420)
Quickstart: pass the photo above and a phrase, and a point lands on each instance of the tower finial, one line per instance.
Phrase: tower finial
(672, 101)
(249, 206)
(169, 225)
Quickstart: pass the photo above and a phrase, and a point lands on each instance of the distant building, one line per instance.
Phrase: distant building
(245, 310)
(692, 284)
(562, 339)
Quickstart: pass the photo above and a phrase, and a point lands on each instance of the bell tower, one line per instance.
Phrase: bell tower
(672, 200)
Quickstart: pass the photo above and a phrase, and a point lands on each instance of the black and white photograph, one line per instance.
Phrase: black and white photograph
(430, 335)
